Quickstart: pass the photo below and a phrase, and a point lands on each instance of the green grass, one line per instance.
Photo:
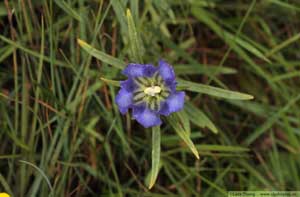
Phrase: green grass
(61, 133)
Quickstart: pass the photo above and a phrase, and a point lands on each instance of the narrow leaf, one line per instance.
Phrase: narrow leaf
(68, 9)
(199, 118)
(6, 52)
(213, 91)
(136, 45)
(283, 44)
(101, 55)
(3, 11)
(31, 52)
(118, 8)
(111, 82)
(5, 185)
(184, 135)
(40, 171)
(228, 37)
(195, 69)
(271, 121)
(222, 148)
(184, 121)
(155, 155)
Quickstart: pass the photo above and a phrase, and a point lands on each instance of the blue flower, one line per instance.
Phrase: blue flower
(149, 91)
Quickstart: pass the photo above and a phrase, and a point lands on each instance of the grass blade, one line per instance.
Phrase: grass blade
(283, 44)
(155, 155)
(40, 171)
(31, 52)
(195, 69)
(272, 120)
(213, 91)
(5, 185)
(68, 9)
(111, 82)
(228, 37)
(120, 15)
(136, 45)
(184, 135)
(199, 118)
(3, 11)
(101, 55)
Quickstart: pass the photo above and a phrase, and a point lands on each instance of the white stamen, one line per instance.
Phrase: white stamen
(152, 90)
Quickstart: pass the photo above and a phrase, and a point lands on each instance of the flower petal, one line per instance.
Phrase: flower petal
(166, 71)
(139, 70)
(174, 103)
(128, 85)
(171, 85)
(124, 100)
(146, 117)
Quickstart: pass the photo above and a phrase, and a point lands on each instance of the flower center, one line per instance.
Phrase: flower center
(152, 91)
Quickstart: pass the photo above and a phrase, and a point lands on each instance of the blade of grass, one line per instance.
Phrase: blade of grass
(272, 120)
(213, 91)
(120, 14)
(155, 155)
(111, 82)
(68, 9)
(6, 52)
(184, 135)
(3, 11)
(231, 39)
(199, 118)
(101, 55)
(31, 52)
(253, 171)
(136, 46)
(40, 171)
(192, 69)
(37, 91)
(5, 185)
(283, 45)
(285, 5)
(222, 148)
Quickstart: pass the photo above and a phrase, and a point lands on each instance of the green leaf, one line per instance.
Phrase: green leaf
(68, 9)
(229, 38)
(111, 82)
(40, 171)
(118, 8)
(90, 129)
(222, 148)
(213, 91)
(136, 46)
(31, 52)
(155, 155)
(184, 120)
(253, 171)
(184, 135)
(101, 55)
(283, 44)
(271, 121)
(195, 69)
(199, 118)
(3, 11)
(5, 185)
(285, 5)
(6, 52)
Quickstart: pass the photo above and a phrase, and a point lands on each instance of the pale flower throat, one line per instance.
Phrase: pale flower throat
(152, 90)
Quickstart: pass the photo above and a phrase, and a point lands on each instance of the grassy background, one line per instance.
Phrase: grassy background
(61, 133)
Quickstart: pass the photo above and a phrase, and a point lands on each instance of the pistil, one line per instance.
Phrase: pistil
(152, 91)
